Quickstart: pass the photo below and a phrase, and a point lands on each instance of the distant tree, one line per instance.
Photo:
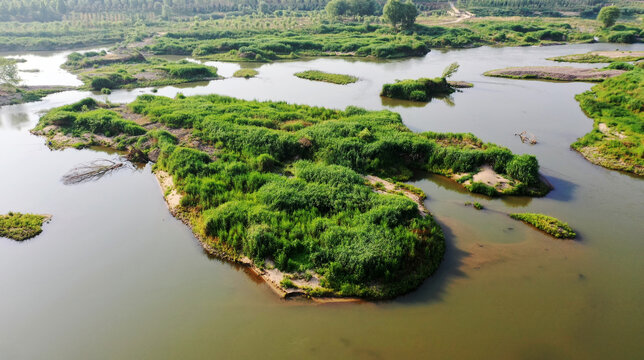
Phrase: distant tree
(450, 70)
(263, 7)
(337, 8)
(8, 72)
(61, 7)
(397, 12)
(608, 15)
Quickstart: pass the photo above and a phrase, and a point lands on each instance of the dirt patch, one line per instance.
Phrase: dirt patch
(127, 114)
(604, 129)
(489, 177)
(390, 187)
(150, 75)
(559, 73)
(618, 54)
(172, 197)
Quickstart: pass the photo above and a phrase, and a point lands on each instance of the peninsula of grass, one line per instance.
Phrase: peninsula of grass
(316, 75)
(617, 139)
(130, 69)
(286, 185)
(547, 224)
(601, 57)
(245, 73)
(20, 227)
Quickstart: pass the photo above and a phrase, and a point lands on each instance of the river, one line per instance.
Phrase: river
(115, 276)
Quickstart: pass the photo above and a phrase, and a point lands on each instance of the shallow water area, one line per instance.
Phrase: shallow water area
(114, 275)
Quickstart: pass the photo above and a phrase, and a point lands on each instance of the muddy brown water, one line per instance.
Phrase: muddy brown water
(114, 275)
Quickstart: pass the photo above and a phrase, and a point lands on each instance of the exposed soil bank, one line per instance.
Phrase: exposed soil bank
(558, 73)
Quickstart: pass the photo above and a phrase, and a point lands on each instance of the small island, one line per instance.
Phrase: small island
(128, 69)
(245, 73)
(19, 227)
(555, 73)
(310, 198)
(424, 89)
(601, 57)
(316, 75)
(547, 224)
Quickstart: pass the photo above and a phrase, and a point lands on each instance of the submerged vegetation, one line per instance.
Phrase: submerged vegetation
(617, 138)
(283, 183)
(20, 227)
(547, 224)
(315, 75)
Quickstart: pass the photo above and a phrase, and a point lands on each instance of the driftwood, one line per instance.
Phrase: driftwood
(91, 171)
(526, 137)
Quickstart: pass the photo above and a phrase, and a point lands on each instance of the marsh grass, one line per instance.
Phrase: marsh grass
(20, 227)
(547, 224)
(316, 75)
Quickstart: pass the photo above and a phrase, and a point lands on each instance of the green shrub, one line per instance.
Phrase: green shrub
(547, 224)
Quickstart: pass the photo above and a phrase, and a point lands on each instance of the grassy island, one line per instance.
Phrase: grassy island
(245, 73)
(20, 227)
(417, 90)
(294, 189)
(130, 69)
(617, 139)
(547, 224)
(424, 89)
(316, 75)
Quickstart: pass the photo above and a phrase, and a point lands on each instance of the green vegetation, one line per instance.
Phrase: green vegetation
(20, 227)
(601, 57)
(245, 73)
(399, 13)
(8, 72)
(353, 8)
(617, 138)
(282, 182)
(417, 90)
(287, 283)
(268, 45)
(608, 15)
(19, 36)
(326, 77)
(422, 89)
(86, 116)
(547, 224)
(476, 205)
(129, 70)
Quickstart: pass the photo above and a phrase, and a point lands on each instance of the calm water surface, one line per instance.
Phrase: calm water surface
(114, 275)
